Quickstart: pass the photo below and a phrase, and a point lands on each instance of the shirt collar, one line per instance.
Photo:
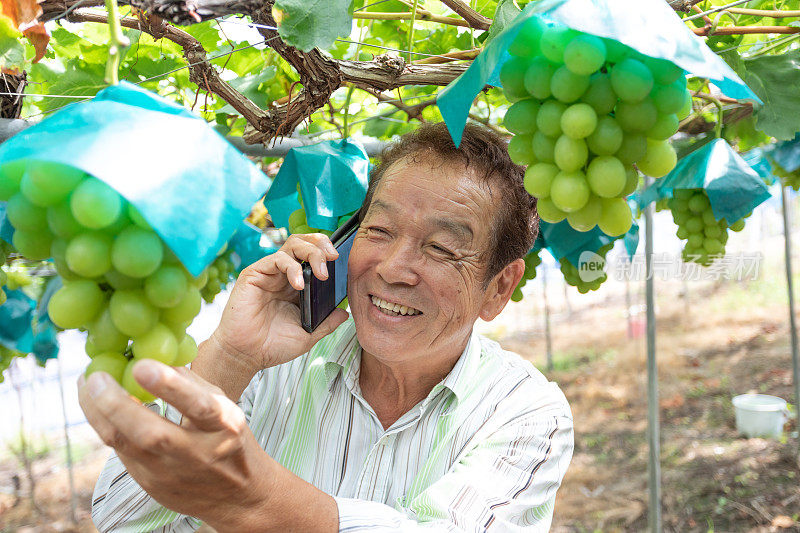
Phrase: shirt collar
(345, 357)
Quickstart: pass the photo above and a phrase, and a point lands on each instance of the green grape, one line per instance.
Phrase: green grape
(58, 252)
(712, 232)
(738, 225)
(61, 222)
(686, 109)
(606, 176)
(548, 121)
(567, 86)
(638, 116)
(24, 215)
(669, 99)
(298, 218)
(111, 362)
(104, 334)
(512, 77)
(585, 54)
(606, 138)
(615, 218)
(136, 217)
(578, 121)
(682, 233)
(633, 148)
(130, 384)
(137, 252)
(45, 183)
(75, 304)
(538, 78)
(187, 351)
(569, 191)
(631, 181)
(659, 159)
(600, 94)
(156, 343)
(548, 211)
(694, 225)
(586, 218)
(665, 127)
(616, 51)
(121, 281)
(631, 80)
(121, 223)
(519, 150)
(543, 147)
(166, 286)
(10, 177)
(554, 41)
(131, 312)
(708, 216)
(94, 204)
(526, 43)
(89, 254)
(186, 310)
(698, 203)
(695, 240)
(664, 72)
(539, 178)
(220, 273)
(32, 244)
(516, 296)
(521, 116)
(570, 154)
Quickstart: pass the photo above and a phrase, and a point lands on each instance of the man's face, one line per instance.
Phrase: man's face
(422, 245)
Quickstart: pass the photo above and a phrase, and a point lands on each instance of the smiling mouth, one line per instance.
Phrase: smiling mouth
(393, 309)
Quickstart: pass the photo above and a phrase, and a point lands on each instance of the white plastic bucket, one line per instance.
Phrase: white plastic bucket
(760, 415)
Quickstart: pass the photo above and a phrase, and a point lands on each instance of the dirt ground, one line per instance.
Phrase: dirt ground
(715, 340)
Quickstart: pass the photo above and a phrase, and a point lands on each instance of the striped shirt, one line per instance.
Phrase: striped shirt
(484, 451)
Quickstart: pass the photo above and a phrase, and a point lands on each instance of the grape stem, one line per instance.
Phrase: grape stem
(118, 42)
(745, 30)
(410, 46)
(450, 21)
(718, 104)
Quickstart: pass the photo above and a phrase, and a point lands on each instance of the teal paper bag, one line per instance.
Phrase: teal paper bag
(757, 160)
(15, 321)
(787, 154)
(333, 179)
(190, 184)
(734, 189)
(6, 229)
(246, 246)
(649, 26)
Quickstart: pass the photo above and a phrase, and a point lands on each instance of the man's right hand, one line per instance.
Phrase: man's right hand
(261, 325)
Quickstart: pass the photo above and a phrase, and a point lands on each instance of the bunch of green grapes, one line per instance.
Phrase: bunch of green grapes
(705, 236)
(298, 222)
(532, 260)
(121, 283)
(219, 273)
(572, 274)
(6, 356)
(588, 113)
(788, 179)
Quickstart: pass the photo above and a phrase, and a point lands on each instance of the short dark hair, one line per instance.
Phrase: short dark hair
(516, 223)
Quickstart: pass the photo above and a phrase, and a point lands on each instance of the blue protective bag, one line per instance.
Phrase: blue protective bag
(333, 179)
(15, 321)
(787, 154)
(757, 160)
(246, 246)
(649, 26)
(564, 241)
(190, 184)
(6, 229)
(734, 189)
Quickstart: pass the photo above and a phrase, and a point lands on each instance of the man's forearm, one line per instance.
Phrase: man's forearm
(222, 368)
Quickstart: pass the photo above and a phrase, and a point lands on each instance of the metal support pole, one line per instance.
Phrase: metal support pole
(628, 316)
(653, 429)
(547, 339)
(787, 239)
(71, 474)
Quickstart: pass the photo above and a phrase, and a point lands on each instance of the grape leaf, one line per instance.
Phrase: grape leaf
(306, 24)
(506, 11)
(12, 52)
(775, 80)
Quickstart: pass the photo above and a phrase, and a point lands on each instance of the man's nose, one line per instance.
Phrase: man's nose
(398, 264)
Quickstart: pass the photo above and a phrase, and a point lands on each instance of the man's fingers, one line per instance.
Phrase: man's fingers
(314, 254)
(122, 422)
(206, 406)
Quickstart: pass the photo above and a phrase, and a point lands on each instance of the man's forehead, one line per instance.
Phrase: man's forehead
(460, 227)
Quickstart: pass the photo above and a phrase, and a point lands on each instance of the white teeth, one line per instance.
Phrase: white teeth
(393, 308)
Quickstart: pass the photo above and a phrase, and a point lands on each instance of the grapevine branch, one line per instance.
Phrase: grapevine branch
(743, 30)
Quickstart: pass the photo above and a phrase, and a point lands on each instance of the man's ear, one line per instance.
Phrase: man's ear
(500, 289)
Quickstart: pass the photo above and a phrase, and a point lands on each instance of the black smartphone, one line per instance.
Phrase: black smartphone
(319, 297)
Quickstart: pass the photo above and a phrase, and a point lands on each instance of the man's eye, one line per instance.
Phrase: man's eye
(376, 229)
(441, 250)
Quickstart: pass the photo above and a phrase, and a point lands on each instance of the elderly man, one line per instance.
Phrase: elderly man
(397, 419)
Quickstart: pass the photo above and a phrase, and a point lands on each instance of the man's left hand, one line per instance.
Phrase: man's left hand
(209, 467)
